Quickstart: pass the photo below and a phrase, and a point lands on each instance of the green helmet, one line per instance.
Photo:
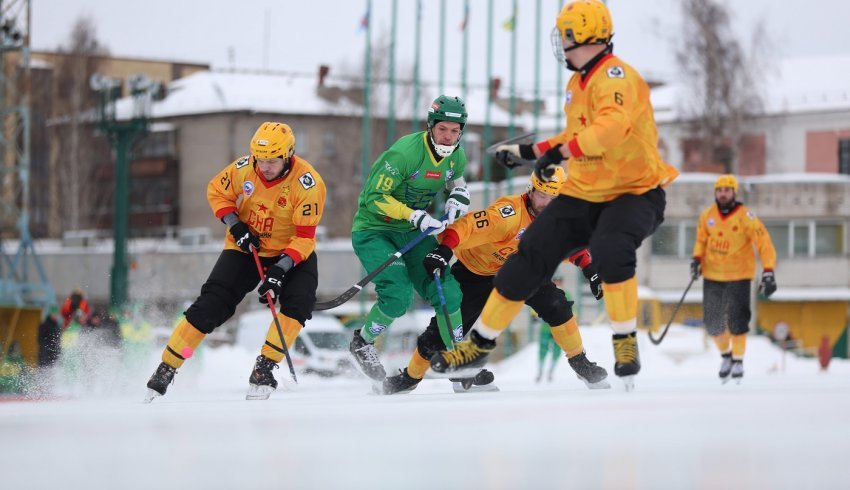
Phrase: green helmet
(447, 108)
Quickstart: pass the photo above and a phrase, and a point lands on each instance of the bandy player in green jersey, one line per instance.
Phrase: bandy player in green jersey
(392, 211)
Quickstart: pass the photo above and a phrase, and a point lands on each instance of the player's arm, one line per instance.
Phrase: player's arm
(386, 176)
(480, 227)
(222, 191)
(583, 261)
(307, 210)
(697, 261)
(761, 239)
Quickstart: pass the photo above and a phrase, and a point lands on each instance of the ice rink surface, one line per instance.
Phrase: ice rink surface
(680, 428)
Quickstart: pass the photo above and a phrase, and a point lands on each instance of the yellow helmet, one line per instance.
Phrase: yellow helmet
(727, 180)
(273, 140)
(553, 187)
(584, 22)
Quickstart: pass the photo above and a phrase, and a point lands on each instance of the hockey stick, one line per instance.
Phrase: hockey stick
(445, 332)
(270, 302)
(675, 310)
(357, 287)
(491, 150)
(512, 160)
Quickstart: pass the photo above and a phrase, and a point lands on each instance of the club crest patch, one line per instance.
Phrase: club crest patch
(242, 162)
(376, 328)
(248, 188)
(710, 222)
(307, 181)
(507, 211)
(616, 72)
(569, 97)
(458, 333)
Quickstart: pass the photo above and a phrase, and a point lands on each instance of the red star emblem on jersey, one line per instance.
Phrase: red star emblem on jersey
(262, 208)
(582, 120)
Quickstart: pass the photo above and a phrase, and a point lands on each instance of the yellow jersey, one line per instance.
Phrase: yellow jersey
(283, 212)
(483, 240)
(611, 134)
(725, 244)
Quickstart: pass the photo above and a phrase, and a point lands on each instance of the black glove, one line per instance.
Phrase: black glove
(506, 154)
(696, 268)
(768, 284)
(595, 281)
(243, 237)
(273, 282)
(437, 260)
(544, 169)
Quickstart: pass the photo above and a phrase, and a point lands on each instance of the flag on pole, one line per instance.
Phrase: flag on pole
(465, 20)
(364, 21)
(510, 23)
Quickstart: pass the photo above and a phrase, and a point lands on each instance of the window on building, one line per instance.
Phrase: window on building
(665, 240)
(329, 144)
(779, 233)
(798, 238)
(844, 156)
(829, 239)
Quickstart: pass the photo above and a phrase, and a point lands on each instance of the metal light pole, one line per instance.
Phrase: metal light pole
(122, 134)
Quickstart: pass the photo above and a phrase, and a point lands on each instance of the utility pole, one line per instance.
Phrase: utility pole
(122, 135)
(17, 288)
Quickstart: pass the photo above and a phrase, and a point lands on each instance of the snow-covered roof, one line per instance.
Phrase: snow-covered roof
(209, 92)
(786, 178)
(797, 85)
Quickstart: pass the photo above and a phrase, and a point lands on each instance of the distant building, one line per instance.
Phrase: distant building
(805, 126)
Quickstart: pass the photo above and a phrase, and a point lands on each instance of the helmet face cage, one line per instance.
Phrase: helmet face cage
(558, 49)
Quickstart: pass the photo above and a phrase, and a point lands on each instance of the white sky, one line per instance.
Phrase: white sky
(305, 34)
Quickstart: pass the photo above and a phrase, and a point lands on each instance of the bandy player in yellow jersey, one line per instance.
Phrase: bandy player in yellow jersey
(270, 200)
(613, 197)
(727, 233)
(482, 242)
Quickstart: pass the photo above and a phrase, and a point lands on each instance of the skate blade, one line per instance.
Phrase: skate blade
(725, 380)
(363, 373)
(257, 392)
(602, 384)
(628, 382)
(460, 373)
(150, 396)
(457, 386)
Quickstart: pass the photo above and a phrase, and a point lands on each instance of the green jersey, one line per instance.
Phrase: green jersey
(404, 178)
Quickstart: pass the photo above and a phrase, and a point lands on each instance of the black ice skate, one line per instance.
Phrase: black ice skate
(466, 355)
(367, 359)
(400, 383)
(626, 358)
(592, 375)
(483, 381)
(737, 371)
(261, 383)
(725, 367)
(158, 384)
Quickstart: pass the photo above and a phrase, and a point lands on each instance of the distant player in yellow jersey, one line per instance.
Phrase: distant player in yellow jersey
(270, 200)
(612, 200)
(723, 253)
(482, 242)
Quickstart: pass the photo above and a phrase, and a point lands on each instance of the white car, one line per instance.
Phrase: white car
(321, 347)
